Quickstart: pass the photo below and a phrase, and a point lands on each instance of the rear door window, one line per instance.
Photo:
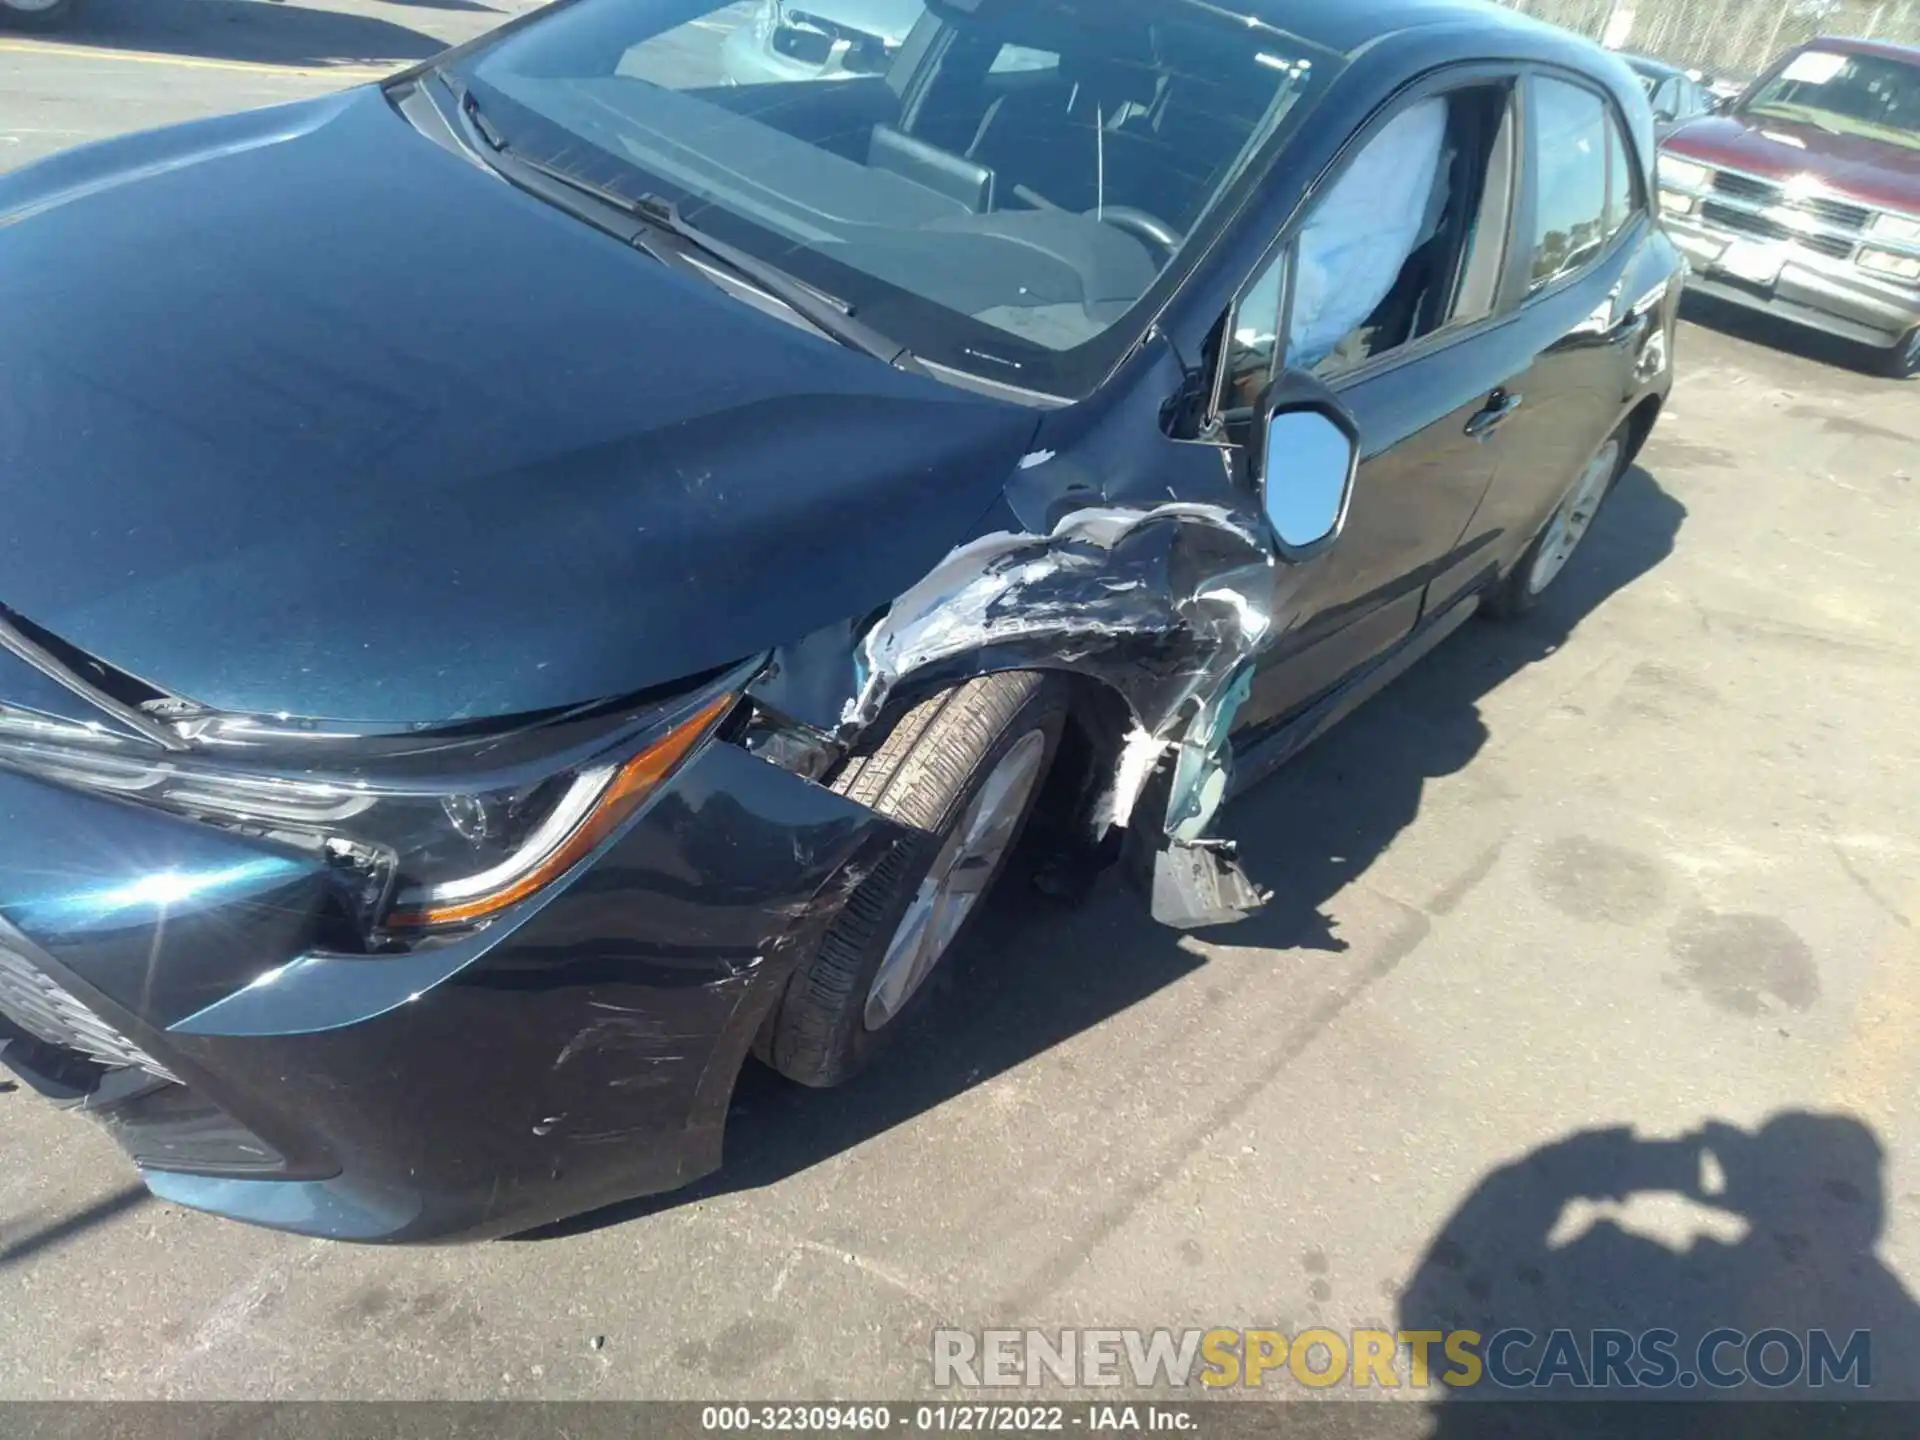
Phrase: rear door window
(1570, 178)
(1623, 189)
(1586, 189)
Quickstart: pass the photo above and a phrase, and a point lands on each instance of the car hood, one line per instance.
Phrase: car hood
(1873, 172)
(301, 413)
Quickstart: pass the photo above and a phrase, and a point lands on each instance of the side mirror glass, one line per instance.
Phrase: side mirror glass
(1308, 451)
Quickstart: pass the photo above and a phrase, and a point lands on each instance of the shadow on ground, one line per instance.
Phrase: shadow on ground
(261, 32)
(1571, 1276)
(1775, 334)
(1029, 976)
(17, 1248)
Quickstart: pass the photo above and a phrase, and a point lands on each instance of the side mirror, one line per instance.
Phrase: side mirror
(1307, 449)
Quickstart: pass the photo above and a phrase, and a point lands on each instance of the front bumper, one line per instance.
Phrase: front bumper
(580, 1050)
(1834, 296)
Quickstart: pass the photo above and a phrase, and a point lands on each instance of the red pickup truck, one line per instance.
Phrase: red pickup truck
(1801, 198)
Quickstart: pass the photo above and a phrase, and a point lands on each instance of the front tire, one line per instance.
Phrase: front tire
(962, 770)
(37, 14)
(1546, 558)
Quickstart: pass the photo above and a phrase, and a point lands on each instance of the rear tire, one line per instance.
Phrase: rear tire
(1566, 528)
(949, 769)
(36, 16)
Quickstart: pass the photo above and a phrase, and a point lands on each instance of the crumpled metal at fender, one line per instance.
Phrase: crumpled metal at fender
(1167, 606)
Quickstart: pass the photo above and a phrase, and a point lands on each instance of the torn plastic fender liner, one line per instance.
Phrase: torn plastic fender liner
(1167, 606)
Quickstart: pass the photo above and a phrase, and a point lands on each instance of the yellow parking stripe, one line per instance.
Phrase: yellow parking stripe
(352, 74)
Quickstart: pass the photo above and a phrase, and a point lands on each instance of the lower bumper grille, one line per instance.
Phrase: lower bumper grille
(33, 1001)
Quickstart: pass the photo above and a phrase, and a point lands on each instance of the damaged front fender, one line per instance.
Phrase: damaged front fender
(1166, 607)
(1165, 602)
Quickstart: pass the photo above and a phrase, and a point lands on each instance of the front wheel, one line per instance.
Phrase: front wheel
(1553, 547)
(962, 771)
(37, 14)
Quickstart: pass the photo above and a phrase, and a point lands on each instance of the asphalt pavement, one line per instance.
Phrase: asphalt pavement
(1650, 859)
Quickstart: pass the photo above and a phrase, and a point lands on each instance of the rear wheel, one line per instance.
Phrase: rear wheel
(36, 14)
(961, 770)
(1553, 547)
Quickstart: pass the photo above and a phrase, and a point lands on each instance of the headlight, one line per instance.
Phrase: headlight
(1885, 262)
(1684, 174)
(1900, 229)
(448, 834)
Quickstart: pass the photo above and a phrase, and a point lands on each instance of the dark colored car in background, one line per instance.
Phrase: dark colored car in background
(529, 583)
(1802, 199)
(1676, 95)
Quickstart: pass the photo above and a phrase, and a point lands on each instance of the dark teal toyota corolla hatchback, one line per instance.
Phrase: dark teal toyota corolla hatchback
(528, 584)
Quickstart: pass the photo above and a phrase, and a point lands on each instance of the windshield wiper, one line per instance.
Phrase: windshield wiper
(827, 313)
(831, 316)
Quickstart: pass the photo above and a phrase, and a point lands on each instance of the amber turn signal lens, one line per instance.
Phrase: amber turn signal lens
(624, 794)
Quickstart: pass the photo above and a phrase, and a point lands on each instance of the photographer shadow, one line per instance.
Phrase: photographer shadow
(1770, 1230)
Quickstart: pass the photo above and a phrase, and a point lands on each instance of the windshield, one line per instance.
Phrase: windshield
(1001, 188)
(1866, 95)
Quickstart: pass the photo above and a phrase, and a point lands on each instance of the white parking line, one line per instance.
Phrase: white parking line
(351, 73)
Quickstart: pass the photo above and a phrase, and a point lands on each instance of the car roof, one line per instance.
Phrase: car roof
(1347, 27)
(1351, 25)
(1856, 45)
(1647, 65)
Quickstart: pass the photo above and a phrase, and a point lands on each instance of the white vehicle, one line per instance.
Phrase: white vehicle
(817, 39)
(832, 39)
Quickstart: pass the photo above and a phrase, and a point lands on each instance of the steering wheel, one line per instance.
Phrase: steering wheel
(1142, 226)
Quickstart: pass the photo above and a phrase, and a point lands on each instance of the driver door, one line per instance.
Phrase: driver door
(1427, 370)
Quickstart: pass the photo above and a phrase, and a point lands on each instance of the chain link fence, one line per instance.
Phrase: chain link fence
(1733, 38)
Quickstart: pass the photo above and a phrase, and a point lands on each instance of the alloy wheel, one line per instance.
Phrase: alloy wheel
(1571, 521)
(961, 873)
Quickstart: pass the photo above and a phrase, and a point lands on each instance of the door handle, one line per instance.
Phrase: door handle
(1495, 413)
